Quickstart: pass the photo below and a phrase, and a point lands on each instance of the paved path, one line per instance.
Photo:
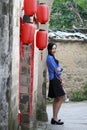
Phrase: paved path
(74, 116)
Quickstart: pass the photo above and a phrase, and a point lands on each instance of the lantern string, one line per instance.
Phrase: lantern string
(41, 55)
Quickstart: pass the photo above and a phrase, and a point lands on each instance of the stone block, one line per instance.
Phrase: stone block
(25, 60)
(24, 90)
(24, 80)
(23, 70)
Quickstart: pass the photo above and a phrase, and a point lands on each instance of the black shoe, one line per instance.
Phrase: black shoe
(53, 122)
(59, 120)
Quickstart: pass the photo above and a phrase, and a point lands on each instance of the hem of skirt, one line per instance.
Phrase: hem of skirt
(56, 96)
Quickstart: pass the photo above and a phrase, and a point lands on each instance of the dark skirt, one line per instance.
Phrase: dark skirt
(55, 88)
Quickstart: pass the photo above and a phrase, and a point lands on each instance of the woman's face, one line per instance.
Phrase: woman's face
(53, 51)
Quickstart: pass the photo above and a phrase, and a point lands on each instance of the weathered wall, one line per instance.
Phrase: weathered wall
(73, 58)
(14, 72)
(4, 63)
(9, 54)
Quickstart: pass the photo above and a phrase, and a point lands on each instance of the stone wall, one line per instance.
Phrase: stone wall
(9, 58)
(73, 58)
(4, 63)
(14, 13)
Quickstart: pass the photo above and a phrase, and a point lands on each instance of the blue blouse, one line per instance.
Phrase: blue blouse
(52, 65)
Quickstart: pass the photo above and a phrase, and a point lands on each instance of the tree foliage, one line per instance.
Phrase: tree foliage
(68, 14)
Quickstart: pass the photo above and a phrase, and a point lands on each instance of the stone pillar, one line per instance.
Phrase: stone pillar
(27, 89)
(9, 61)
(42, 69)
(14, 67)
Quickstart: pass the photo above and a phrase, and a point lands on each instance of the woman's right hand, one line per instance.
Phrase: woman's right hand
(58, 69)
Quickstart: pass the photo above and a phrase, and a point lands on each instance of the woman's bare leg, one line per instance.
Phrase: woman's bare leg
(56, 106)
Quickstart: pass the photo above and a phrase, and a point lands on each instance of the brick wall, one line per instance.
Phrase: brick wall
(26, 84)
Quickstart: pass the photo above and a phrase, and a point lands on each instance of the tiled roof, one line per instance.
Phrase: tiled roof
(62, 35)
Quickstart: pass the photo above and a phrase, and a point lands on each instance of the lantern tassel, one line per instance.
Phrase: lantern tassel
(41, 55)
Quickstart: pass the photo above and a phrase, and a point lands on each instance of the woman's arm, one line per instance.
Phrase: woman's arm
(52, 64)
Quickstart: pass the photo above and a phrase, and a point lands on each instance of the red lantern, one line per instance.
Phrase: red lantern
(42, 13)
(27, 34)
(30, 7)
(41, 39)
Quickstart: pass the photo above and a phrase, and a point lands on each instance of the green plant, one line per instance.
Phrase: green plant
(78, 96)
(68, 13)
(85, 89)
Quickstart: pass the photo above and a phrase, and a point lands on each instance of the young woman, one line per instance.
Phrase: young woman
(56, 90)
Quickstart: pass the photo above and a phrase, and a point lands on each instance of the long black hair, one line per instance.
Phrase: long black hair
(49, 47)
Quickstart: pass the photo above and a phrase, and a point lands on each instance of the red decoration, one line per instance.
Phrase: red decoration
(41, 39)
(31, 79)
(21, 50)
(30, 7)
(21, 22)
(19, 117)
(27, 35)
(42, 13)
